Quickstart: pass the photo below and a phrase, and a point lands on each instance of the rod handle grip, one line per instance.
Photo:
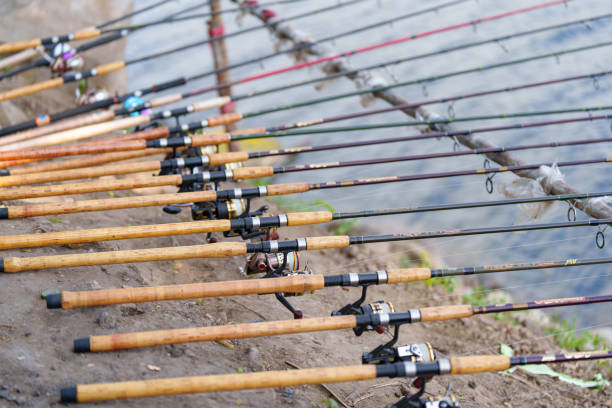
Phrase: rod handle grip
(89, 32)
(308, 218)
(437, 313)
(30, 89)
(224, 119)
(229, 157)
(478, 364)
(110, 67)
(165, 100)
(408, 275)
(290, 188)
(211, 103)
(296, 284)
(212, 383)
(252, 172)
(19, 45)
(248, 131)
(341, 241)
(17, 58)
(210, 139)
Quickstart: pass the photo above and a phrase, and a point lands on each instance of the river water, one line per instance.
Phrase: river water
(474, 250)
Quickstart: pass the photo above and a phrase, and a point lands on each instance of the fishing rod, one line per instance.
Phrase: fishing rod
(208, 161)
(290, 283)
(120, 64)
(65, 52)
(64, 57)
(98, 30)
(180, 142)
(376, 315)
(106, 125)
(114, 66)
(230, 249)
(283, 378)
(45, 119)
(83, 34)
(213, 204)
(49, 167)
(256, 226)
(186, 181)
(93, 118)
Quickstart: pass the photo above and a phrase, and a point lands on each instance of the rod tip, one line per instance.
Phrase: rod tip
(69, 394)
(54, 301)
(82, 345)
(5, 172)
(4, 213)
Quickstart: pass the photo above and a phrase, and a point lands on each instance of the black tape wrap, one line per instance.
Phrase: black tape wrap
(82, 345)
(54, 301)
(69, 394)
(4, 214)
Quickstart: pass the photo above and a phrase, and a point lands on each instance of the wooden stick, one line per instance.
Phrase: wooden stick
(35, 210)
(217, 250)
(226, 382)
(293, 284)
(211, 333)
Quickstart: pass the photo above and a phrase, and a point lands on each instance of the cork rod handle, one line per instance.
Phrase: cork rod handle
(437, 313)
(226, 382)
(295, 284)
(211, 333)
(30, 89)
(408, 275)
(479, 364)
(217, 250)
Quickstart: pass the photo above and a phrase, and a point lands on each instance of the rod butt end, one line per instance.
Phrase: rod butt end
(54, 301)
(5, 172)
(4, 213)
(82, 345)
(68, 394)
(1, 265)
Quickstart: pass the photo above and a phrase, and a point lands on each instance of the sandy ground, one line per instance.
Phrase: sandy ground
(36, 357)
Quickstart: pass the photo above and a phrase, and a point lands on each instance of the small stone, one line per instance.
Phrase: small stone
(131, 311)
(176, 350)
(471, 384)
(48, 292)
(106, 320)
(95, 285)
(152, 367)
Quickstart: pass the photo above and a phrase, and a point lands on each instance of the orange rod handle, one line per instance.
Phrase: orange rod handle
(88, 161)
(165, 100)
(30, 89)
(82, 173)
(408, 275)
(308, 218)
(225, 119)
(478, 364)
(211, 333)
(110, 67)
(217, 250)
(108, 234)
(252, 172)
(35, 210)
(294, 284)
(90, 119)
(19, 45)
(292, 188)
(437, 313)
(89, 187)
(226, 382)
(327, 242)
(86, 33)
(209, 139)
(229, 157)
(60, 151)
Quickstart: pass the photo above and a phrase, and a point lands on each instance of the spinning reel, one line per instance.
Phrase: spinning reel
(277, 265)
